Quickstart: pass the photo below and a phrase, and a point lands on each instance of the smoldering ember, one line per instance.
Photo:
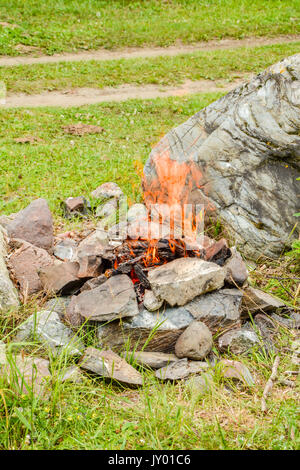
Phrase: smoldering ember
(157, 291)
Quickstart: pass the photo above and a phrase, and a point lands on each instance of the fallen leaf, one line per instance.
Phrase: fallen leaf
(81, 129)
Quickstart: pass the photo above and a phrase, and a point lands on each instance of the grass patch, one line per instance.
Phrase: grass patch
(213, 65)
(63, 165)
(95, 414)
(112, 24)
(162, 416)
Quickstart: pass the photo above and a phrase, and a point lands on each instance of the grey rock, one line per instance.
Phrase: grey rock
(246, 148)
(108, 209)
(65, 250)
(181, 369)
(33, 224)
(183, 279)
(161, 329)
(154, 360)
(235, 370)
(47, 328)
(29, 375)
(137, 212)
(115, 298)
(107, 191)
(236, 270)
(255, 300)
(58, 305)
(290, 320)
(110, 365)
(218, 310)
(238, 341)
(151, 302)
(195, 342)
(8, 294)
(266, 329)
(199, 385)
(95, 282)
(73, 374)
(158, 330)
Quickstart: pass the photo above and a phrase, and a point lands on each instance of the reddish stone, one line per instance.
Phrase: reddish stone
(25, 263)
(218, 252)
(33, 224)
(61, 278)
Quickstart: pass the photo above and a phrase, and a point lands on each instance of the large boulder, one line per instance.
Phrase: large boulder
(240, 157)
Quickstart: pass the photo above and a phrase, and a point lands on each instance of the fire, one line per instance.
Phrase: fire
(168, 199)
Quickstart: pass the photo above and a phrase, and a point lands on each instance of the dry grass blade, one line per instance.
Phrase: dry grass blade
(269, 384)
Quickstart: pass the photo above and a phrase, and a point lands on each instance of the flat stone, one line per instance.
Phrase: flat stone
(115, 298)
(151, 302)
(255, 300)
(161, 329)
(158, 330)
(137, 212)
(47, 328)
(95, 282)
(183, 279)
(244, 151)
(266, 329)
(107, 191)
(74, 375)
(65, 250)
(108, 209)
(238, 341)
(181, 369)
(154, 360)
(195, 342)
(199, 385)
(58, 305)
(236, 270)
(32, 375)
(25, 263)
(8, 294)
(96, 244)
(291, 320)
(237, 371)
(33, 224)
(218, 310)
(62, 278)
(73, 319)
(110, 365)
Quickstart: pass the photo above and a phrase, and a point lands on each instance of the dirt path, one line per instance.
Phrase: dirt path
(82, 96)
(148, 51)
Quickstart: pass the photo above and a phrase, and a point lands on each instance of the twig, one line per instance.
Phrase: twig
(269, 384)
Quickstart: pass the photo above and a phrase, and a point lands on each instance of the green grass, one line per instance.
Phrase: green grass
(161, 416)
(222, 64)
(94, 414)
(63, 165)
(91, 24)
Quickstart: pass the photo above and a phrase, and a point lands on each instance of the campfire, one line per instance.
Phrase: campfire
(170, 228)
